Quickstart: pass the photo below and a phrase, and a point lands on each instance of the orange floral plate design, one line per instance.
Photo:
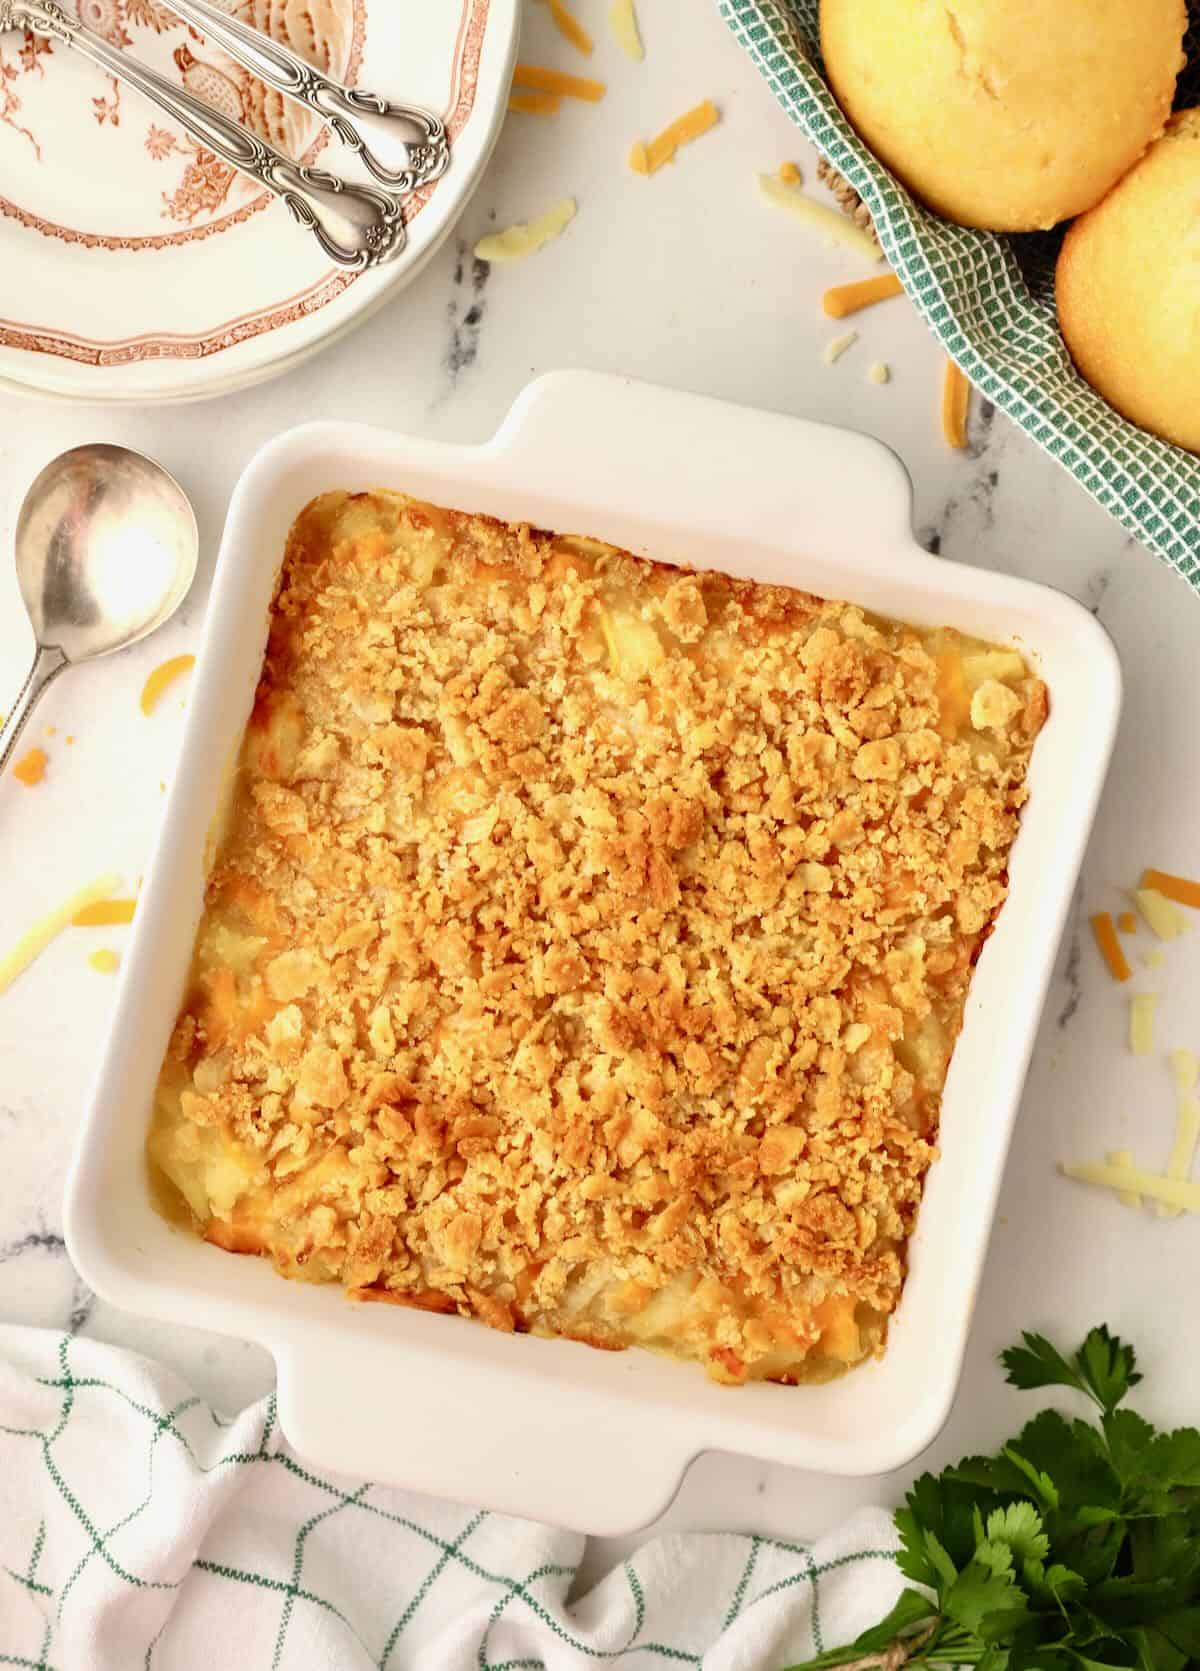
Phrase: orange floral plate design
(135, 265)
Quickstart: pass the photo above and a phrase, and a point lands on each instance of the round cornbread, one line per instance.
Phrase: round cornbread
(1010, 115)
(1129, 289)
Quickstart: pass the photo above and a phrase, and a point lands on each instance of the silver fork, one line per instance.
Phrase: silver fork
(381, 131)
(357, 226)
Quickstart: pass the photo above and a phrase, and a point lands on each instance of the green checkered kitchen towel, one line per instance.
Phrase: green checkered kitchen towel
(141, 1532)
(990, 300)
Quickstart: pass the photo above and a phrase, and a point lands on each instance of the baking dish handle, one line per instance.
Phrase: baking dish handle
(700, 459)
(599, 1463)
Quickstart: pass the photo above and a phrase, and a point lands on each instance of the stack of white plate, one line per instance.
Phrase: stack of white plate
(136, 266)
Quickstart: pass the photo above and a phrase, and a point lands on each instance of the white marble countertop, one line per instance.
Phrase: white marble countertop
(686, 279)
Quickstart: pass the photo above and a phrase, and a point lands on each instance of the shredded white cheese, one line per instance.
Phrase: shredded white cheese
(1176, 1192)
(837, 346)
(1183, 1148)
(35, 940)
(526, 238)
(1152, 960)
(1141, 1022)
(829, 224)
(622, 20)
(879, 372)
(1164, 919)
(1185, 1070)
(1123, 1157)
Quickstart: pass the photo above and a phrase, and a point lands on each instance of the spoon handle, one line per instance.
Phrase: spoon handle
(357, 226)
(401, 144)
(47, 665)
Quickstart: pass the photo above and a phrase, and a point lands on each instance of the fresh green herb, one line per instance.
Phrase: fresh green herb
(1074, 1548)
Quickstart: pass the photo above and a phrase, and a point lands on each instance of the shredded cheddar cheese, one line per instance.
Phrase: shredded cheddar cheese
(163, 675)
(956, 403)
(534, 104)
(34, 941)
(1141, 1022)
(829, 224)
(104, 962)
(1110, 946)
(648, 158)
(622, 20)
(1123, 1157)
(1178, 888)
(845, 299)
(545, 80)
(526, 238)
(31, 767)
(1175, 1192)
(105, 913)
(790, 175)
(837, 346)
(569, 27)
(1127, 922)
(1161, 916)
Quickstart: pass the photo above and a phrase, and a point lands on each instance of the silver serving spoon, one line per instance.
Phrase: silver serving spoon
(106, 549)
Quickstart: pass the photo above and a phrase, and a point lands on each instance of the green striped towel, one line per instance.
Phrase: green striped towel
(141, 1532)
(990, 300)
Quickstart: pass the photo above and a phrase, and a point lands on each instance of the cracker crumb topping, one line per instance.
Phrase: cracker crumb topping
(590, 939)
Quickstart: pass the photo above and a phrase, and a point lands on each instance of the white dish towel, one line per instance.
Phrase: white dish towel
(139, 1530)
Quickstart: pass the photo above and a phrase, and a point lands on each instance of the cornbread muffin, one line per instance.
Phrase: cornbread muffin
(589, 940)
(1011, 115)
(1128, 290)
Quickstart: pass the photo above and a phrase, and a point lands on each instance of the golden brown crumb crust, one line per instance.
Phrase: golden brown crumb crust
(590, 939)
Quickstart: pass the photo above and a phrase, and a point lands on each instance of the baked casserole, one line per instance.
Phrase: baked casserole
(587, 940)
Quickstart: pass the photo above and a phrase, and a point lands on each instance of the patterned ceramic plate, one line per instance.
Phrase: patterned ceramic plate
(134, 265)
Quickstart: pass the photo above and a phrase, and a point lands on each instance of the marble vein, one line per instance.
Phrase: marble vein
(1097, 589)
(470, 285)
(33, 1241)
(1072, 968)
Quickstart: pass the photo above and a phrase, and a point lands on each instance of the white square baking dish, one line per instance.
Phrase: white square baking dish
(593, 1440)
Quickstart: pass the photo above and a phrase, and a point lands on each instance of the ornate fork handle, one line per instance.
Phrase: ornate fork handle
(356, 226)
(380, 131)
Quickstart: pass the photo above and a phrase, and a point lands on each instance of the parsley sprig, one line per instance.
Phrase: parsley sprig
(1075, 1547)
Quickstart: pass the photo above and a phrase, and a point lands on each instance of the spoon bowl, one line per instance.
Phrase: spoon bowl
(106, 549)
